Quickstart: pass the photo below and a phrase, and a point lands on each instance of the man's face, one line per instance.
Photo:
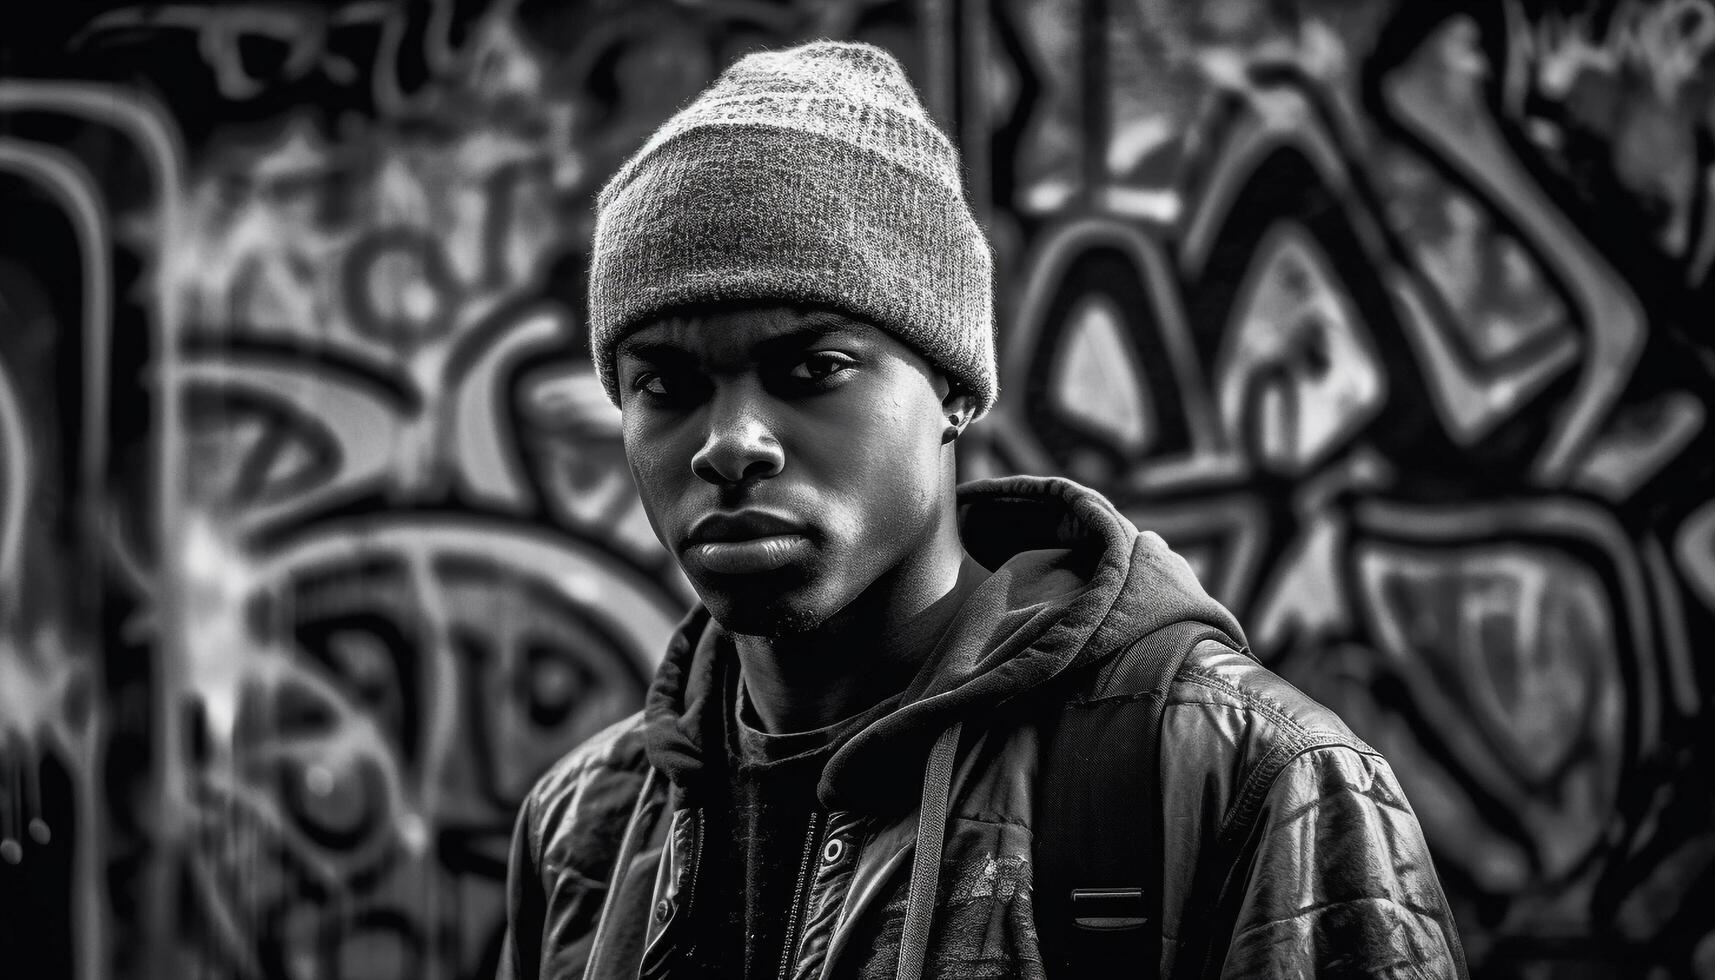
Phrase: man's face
(790, 460)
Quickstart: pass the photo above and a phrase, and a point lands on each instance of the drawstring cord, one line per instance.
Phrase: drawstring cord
(926, 863)
(628, 847)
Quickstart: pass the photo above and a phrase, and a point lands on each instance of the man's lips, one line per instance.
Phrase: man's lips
(745, 542)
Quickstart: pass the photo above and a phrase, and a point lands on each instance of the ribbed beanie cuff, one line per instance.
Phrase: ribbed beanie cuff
(808, 176)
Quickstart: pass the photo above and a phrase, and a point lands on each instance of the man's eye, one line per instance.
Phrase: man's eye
(820, 367)
(649, 382)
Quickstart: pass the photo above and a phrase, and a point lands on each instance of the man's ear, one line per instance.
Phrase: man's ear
(959, 408)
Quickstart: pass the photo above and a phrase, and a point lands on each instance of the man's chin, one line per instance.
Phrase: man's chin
(771, 617)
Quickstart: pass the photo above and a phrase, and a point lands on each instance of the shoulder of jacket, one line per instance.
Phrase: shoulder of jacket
(613, 754)
(1220, 681)
(1227, 713)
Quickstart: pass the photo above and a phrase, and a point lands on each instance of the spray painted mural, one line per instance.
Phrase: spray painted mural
(1395, 322)
(316, 544)
(292, 361)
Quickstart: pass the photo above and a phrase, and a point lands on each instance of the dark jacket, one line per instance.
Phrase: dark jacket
(1290, 848)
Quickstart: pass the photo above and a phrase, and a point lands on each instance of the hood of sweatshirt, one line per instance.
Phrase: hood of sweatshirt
(1071, 582)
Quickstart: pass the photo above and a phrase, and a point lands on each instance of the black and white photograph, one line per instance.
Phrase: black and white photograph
(857, 489)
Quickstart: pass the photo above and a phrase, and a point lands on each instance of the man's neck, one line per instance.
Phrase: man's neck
(861, 656)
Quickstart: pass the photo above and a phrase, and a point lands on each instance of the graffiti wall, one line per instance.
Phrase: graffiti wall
(1395, 321)
(316, 542)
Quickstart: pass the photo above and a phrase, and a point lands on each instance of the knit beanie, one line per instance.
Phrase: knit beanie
(807, 176)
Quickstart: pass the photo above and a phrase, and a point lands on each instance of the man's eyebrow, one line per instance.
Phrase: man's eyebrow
(800, 337)
(655, 352)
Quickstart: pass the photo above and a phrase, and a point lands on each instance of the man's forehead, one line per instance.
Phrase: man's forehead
(737, 331)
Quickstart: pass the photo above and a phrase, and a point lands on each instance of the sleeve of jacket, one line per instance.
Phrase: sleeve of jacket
(526, 903)
(564, 845)
(1339, 880)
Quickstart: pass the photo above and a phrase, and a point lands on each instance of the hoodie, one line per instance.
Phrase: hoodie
(1289, 832)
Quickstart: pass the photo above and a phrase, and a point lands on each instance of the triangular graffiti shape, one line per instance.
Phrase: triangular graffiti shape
(1095, 383)
(1297, 372)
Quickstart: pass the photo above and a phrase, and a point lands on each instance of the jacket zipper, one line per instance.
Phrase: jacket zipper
(696, 865)
(695, 859)
(789, 953)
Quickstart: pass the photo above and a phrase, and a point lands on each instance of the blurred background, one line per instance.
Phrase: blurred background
(317, 545)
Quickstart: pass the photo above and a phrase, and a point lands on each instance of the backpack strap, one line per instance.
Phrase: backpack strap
(1098, 843)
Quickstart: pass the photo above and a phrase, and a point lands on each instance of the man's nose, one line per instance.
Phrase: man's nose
(741, 444)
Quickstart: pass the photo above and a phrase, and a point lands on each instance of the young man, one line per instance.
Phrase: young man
(848, 763)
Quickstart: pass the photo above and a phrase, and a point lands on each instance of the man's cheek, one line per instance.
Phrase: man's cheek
(643, 454)
(647, 475)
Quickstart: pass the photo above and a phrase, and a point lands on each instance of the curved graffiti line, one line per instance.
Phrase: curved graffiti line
(1694, 547)
(369, 422)
(482, 431)
(648, 618)
(1558, 517)
(1281, 117)
(306, 34)
(71, 185)
(16, 466)
(1612, 316)
(1682, 683)
(74, 189)
(1208, 455)
(1469, 403)
(141, 119)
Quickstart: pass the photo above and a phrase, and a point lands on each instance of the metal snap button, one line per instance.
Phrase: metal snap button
(663, 910)
(833, 850)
